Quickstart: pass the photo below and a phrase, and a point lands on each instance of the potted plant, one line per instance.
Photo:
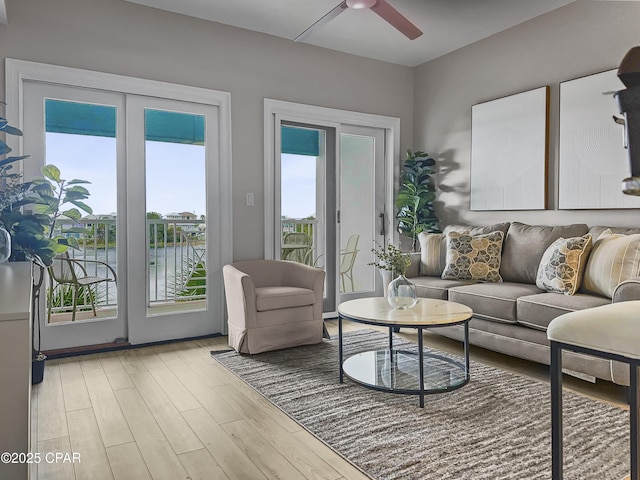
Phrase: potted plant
(415, 197)
(32, 235)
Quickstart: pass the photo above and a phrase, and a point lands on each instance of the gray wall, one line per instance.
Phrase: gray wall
(580, 39)
(119, 37)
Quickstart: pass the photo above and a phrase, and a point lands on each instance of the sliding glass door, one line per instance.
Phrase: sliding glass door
(330, 203)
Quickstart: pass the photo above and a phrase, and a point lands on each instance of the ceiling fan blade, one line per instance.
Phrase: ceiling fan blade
(395, 18)
(333, 13)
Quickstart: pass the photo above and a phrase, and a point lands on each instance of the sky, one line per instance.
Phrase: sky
(298, 187)
(175, 175)
(175, 172)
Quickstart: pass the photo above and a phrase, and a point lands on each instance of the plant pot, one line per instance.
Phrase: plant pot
(401, 293)
(37, 368)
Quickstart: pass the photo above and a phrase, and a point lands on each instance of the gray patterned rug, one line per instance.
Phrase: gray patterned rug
(495, 427)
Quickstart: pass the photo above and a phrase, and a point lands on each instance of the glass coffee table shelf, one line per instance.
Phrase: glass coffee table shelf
(398, 370)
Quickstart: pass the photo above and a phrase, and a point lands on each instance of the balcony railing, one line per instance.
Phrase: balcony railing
(175, 267)
(176, 261)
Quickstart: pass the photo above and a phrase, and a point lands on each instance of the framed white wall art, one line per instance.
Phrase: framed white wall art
(509, 152)
(592, 158)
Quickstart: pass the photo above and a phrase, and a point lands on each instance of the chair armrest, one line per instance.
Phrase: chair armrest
(414, 268)
(81, 261)
(240, 292)
(627, 290)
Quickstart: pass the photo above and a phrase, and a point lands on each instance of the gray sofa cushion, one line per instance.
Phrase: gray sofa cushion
(536, 311)
(471, 230)
(524, 246)
(597, 230)
(493, 301)
(436, 287)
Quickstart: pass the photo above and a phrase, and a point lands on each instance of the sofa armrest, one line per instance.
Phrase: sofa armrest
(627, 290)
(414, 268)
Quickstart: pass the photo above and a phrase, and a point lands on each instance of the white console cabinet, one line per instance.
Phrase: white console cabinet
(15, 365)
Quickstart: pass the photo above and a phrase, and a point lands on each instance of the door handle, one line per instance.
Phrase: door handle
(382, 228)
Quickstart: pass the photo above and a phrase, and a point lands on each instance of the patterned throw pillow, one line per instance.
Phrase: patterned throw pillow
(614, 259)
(432, 253)
(563, 263)
(474, 257)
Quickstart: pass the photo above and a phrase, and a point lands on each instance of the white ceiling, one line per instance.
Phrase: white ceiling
(447, 24)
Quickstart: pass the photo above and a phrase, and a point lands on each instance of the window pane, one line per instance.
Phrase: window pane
(176, 211)
(80, 141)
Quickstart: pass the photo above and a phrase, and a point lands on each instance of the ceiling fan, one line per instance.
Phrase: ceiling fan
(381, 7)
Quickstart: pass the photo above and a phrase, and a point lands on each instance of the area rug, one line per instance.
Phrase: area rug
(496, 427)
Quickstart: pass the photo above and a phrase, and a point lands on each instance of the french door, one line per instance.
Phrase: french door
(153, 216)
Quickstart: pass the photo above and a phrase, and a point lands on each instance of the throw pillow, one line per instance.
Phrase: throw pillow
(524, 245)
(614, 259)
(474, 257)
(432, 253)
(563, 263)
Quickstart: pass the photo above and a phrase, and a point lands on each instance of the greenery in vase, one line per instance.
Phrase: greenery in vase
(415, 197)
(392, 259)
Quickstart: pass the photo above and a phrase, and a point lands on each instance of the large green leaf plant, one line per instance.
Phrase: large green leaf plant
(30, 211)
(415, 196)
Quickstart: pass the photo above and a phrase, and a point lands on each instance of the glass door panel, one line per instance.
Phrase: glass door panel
(307, 200)
(80, 141)
(79, 131)
(175, 211)
(175, 260)
(361, 208)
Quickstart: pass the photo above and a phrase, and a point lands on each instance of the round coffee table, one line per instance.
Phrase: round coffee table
(402, 371)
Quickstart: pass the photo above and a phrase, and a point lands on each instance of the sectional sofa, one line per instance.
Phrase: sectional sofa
(518, 277)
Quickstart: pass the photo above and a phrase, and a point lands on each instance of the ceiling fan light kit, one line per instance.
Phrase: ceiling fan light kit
(357, 4)
(380, 7)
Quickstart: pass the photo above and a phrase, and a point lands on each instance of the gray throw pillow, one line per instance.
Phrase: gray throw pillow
(524, 245)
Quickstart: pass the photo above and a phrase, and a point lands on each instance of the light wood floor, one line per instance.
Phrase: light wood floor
(171, 412)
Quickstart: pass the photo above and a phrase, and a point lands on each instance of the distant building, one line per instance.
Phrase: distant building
(181, 216)
(190, 228)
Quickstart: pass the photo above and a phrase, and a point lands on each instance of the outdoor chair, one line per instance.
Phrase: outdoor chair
(273, 304)
(70, 271)
(296, 246)
(347, 261)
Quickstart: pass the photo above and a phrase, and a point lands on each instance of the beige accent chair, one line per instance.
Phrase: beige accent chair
(273, 304)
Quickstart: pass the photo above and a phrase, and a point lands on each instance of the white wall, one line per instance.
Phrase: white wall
(580, 39)
(123, 38)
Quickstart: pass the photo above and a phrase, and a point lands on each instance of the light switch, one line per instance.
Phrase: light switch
(249, 200)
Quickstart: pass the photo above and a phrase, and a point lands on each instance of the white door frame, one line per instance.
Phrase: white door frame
(276, 111)
(17, 72)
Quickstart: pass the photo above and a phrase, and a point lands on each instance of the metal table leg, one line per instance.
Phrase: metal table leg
(467, 368)
(633, 415)
(421, 366)
(340, 348)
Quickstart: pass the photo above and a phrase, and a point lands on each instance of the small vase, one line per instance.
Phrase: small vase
(5, 245)
(387, 276)
(401, 293)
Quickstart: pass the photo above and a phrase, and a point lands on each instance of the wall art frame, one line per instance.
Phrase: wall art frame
(592, 159)
(510, 152)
